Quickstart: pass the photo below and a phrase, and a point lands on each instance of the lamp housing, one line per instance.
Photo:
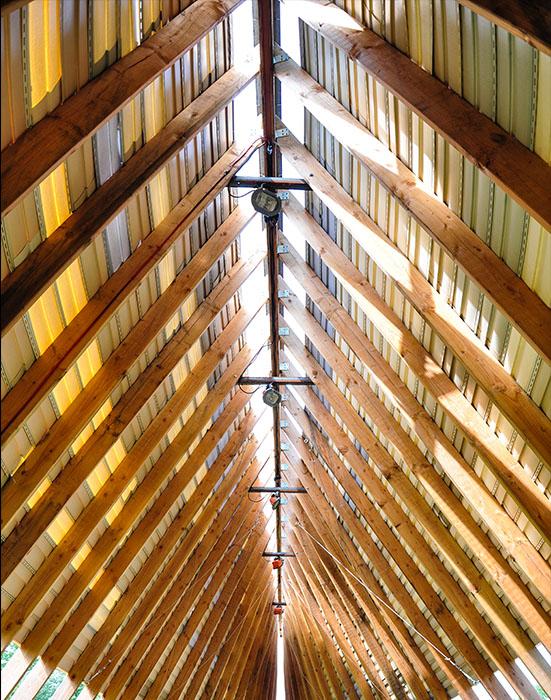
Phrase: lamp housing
(266, 202)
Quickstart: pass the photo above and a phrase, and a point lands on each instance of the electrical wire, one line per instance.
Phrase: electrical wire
(445, 656)
(239, 196)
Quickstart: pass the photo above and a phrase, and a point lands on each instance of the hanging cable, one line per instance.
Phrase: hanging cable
(445, 656)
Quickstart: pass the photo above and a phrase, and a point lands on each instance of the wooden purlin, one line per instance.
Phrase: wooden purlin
(78, 414)
(59, 133)
(528, 313)
(79, 467)
(444, 498)
(455, 405)
(50, 367)
(453, 464)
(517, 170)
(36, 273)
(483, 366)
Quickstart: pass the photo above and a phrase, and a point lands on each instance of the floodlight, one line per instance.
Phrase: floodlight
(266, 202)
(271, 396)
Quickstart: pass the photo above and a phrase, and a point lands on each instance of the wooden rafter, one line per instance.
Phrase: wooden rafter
(66, 429)
(41, 268)
(51, 366)
(530, 20)
(459, 410)
(481, 364)
(409, 534)
(60, 133)
(450, 460)
(517, 170)
(31, 595)
(444, 498)
(528, 313)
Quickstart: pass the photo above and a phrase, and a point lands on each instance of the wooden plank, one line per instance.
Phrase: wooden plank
(37, 272)
(339, 593)
(175, 561)
(59, 133)
(444, 498)
(525, 309)
(51, 366)
(481, 364)
(66, 429)
(325, 489)
(413, 667)
(517, 170)
(31, 595)
(208, 526)
(450, 460)
(33, 524)
(139, 665)
(408, 532)
(320, 512)
(530, 20)
(495, 454)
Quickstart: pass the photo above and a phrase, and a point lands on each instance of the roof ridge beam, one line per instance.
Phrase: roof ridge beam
(63, 130)
(35, 274)
(513, 297)
(517, 170)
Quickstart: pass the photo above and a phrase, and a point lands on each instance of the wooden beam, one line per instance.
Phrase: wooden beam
(141, 661)
(320, 512)
(518, 171)
(31, 595)
(449, 459)
(183, 562)
(325, 489)
(37, 272)
(222, 626)
(408, 532)
(493, 378)
(444, 498)
(79, 467)
(529, 20)
(48, 369)
(413, 666)
(454, 404)
(59, 133)
(337, 589)
(175, 561)
(78, 414)
(523, 307)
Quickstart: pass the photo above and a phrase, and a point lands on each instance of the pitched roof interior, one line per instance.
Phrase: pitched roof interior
(414, 290)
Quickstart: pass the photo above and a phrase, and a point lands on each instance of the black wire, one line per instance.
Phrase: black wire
(249, 393)
(239, 196)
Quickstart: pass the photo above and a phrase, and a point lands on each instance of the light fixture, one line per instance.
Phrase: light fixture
(266, 202)
(271, 396)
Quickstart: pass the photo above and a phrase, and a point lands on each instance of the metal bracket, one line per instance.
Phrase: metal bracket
(284, 447)
(284, 330)
(280, 133)
(280, 57)
(283, 294)
(284, 467)
(284, 196)
(283, 423)
(284, 396)
(282, 248)
(283, 366)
